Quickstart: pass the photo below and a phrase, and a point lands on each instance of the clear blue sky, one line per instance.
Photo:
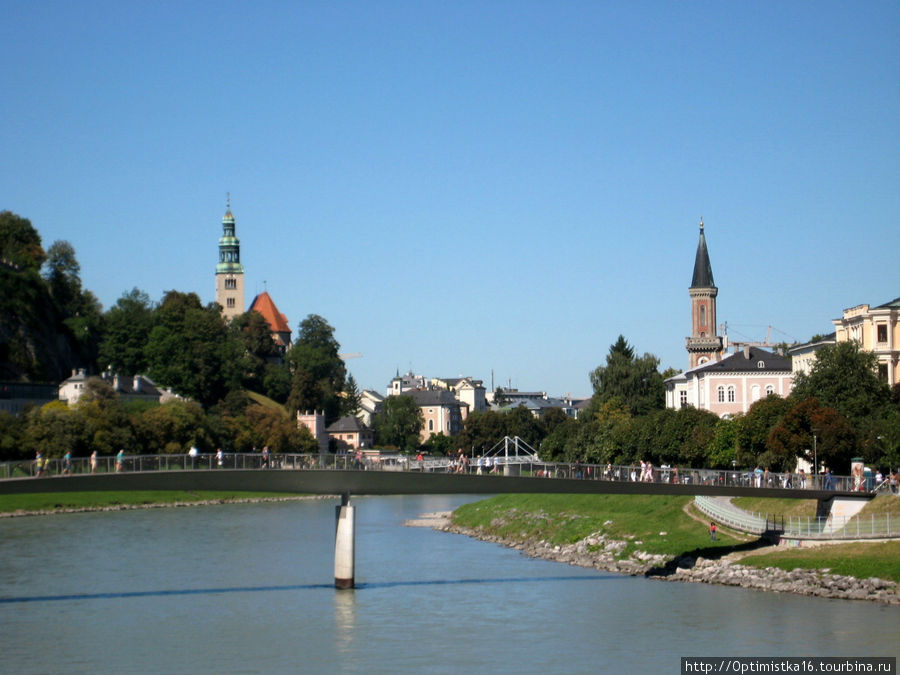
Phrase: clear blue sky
(461, 187)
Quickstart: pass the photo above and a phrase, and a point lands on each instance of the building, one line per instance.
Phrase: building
(137, 388)
(229, 271)
(402, 384)
(315, 422)
(704, 344)
(369, 405)
(15, 397)
(466, 389)
(442, 412)
(350, 433)
(875, 329)
(803, 356)
(732, 384)
(724, 385)
(278, 322)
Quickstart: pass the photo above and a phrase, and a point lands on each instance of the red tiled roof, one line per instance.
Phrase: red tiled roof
(277, 321)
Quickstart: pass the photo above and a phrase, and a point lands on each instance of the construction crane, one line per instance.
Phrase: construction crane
(738, 344)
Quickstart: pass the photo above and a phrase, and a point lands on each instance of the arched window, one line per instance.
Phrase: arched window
(721, 393)
(430, 425)
(754, 392)
(760, 364)
(702, 315)
(731, 393)
(769, 390)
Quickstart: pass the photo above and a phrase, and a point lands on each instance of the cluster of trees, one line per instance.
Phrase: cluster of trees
(838, 411)
(50, 325)
(101, 421)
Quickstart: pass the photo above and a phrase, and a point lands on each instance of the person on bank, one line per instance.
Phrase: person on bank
(712, 531)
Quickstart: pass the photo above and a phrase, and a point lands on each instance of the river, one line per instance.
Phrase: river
(248, 588)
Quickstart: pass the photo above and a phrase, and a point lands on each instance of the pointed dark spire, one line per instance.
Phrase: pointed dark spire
(703, 276)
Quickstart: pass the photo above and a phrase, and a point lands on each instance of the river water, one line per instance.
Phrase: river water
(249, 589)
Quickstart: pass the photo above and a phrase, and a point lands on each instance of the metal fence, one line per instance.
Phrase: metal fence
(525, 465)
(865, 526)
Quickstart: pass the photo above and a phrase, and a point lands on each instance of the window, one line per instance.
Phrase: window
(721, 392)
(760, 364)
(754, 392)
(231, 283)
(731, 394)
(883, 371)
(683, 398)
(702, 315)
(882, 332)
(430, 425)
(769, 390)
(230, 303)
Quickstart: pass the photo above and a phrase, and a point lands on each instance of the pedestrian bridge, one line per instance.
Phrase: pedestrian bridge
(399, 475)
(347, 475)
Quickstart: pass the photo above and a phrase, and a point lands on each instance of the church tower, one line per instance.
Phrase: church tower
(704, 344)
(229, 271)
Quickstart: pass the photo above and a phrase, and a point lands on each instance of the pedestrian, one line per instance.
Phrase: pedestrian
(120, 460)
(220, 458)
(38, 464)
(265, 457)
(193, 453)
(94, 461)
(67, 463)
(712, 531)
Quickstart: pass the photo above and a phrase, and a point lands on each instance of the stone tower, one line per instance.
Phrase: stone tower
(229, 271)
(704, 344)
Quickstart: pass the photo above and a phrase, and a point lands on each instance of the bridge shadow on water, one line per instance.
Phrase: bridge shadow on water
(297, 587)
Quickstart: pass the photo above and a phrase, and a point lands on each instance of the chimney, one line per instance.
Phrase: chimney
(137, 384)
(747, 352)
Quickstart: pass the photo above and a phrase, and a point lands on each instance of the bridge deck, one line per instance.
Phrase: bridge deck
(337, 482)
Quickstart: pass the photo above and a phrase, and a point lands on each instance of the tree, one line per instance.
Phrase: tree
(252, 329)
(835, 442)
(635, 380)
(753, 429)
(844, 377)
(350, 399)
(399, 422)
(316, 353)
(127, 330)
(192, 350)
(20, 243)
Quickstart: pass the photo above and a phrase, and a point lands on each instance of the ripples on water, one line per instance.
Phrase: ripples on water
(248, 588)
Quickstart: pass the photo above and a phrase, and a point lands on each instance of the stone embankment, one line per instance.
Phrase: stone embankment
(600, 552)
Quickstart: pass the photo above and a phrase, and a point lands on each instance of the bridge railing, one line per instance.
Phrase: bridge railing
(512, 465)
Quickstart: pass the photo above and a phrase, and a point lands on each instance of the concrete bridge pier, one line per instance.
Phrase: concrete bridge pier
(344, 544)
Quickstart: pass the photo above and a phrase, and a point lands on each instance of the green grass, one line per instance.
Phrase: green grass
(881, 505)
(856, 559)
(78, 500)
(654, 524)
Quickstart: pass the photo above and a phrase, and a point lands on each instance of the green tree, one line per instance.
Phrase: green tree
(192, 350)
(316, 352)
(635, 380)
(350, 400)
(260, 350)
(844, 377)
(399, 422)
(128, 325)
(439, 444)
(20, 243)
(753, 429)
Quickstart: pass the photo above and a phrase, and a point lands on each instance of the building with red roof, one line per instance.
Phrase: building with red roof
(278, 322)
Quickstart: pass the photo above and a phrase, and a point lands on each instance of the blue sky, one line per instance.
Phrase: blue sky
(468, 187)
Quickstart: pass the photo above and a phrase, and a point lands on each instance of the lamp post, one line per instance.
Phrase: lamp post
(815, 456)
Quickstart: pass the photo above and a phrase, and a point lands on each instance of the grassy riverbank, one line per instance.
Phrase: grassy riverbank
(854, 559)
(54, 501)
(653, 524)
(664, 525)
